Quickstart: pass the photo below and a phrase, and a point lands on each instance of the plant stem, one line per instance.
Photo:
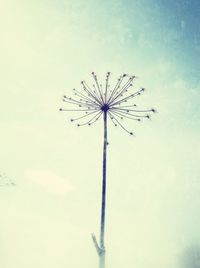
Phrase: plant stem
(103, 203)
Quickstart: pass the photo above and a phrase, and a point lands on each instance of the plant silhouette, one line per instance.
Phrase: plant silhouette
(96, 101)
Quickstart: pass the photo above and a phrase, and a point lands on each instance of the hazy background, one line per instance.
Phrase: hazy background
(46, 48)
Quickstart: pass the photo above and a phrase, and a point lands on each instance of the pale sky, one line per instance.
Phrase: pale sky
(46, 48)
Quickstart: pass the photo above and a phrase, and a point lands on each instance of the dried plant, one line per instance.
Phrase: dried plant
(92, 102)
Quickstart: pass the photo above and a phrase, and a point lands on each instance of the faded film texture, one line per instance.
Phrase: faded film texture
(51, 169)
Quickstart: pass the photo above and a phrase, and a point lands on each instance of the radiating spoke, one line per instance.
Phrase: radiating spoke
(83, 116)
(86, 99)
(80, 103)
(106, 87)
(90, 92)
(118, 123)
(131, 110)
(117, 86)
(92, 120)
(76, 110)
(98, 87)
(123, 115)
(128, 97)
(111, 117)
(128, 113)
(121, 91)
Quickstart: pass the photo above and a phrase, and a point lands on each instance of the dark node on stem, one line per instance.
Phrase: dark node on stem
(148, 116)
(153, 110)
(71, 120)
(107, 143)
(105, 107)
(60, 109)
(78, 125)
(131, 133)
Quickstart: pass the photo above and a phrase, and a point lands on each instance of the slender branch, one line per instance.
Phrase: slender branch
(117, 86)
(98, 87)
(118, 123)
(90, 93)
(83, 116)
(123, 115)
(131, 110)
(106, 87)
(87, 99)
(92, 120)
(127, 98)
(98, 249)
(122, 90)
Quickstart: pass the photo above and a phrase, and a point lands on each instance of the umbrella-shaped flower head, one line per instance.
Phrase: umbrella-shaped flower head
(117, 102)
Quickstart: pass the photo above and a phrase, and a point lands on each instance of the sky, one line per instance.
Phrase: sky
(46, 48)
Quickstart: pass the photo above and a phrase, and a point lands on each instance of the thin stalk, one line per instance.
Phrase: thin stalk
(100, 248)
(103, 201)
